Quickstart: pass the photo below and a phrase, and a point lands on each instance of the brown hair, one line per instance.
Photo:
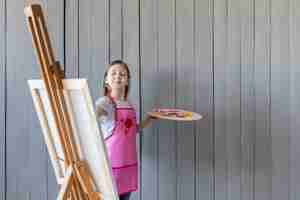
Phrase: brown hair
(105, 86)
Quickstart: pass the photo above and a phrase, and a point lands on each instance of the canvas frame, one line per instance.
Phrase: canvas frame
(88, 137)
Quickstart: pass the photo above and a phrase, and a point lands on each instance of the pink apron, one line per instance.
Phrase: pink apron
(121, 148)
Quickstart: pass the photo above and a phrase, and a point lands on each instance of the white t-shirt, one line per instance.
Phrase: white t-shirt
(107, 122)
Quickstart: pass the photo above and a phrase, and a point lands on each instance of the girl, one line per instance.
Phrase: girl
(119, 126)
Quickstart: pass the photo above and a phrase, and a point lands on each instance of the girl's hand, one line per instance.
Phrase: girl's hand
(146, 122)
(151, 117)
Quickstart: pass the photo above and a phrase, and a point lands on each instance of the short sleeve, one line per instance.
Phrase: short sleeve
(106, 121)
(103, 103)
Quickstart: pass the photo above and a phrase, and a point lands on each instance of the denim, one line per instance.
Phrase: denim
(125, 196)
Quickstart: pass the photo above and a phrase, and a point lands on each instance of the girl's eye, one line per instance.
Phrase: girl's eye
(114, 73)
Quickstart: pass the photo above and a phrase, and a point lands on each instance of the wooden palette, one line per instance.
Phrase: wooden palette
(175, 114)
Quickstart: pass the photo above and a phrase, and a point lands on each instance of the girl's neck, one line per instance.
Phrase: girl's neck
(118, 94)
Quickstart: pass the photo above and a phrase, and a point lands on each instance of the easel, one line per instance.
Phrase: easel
(77, 183)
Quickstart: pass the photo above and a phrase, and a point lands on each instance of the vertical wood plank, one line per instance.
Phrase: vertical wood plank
(220, 60)
(247, 100)
(116, 23)
(203, 103)
(280, 98)
(131, 46)
(2, 99)
(233, 101)
(227, 100)
(131, 54)
(93, 43)
(149, 88)
(295, 96)
(149, 145)
(71, 38)
(27, 164)
(263, 151)
(25, 152)
(185, 87)
(165, 79)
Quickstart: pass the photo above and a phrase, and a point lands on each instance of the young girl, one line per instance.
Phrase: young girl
(119, 126)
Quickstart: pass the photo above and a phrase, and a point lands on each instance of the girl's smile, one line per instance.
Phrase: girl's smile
(117, 77)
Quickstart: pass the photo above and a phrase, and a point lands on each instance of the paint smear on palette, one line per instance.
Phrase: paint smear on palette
(174, 114)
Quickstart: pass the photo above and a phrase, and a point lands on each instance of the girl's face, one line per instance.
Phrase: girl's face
(117, 77)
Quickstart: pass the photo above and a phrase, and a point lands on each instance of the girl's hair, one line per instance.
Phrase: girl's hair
(105, 86)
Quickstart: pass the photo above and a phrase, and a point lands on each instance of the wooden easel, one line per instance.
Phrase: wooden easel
(77, 182)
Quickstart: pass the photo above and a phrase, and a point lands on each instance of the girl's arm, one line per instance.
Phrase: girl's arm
(145, 123)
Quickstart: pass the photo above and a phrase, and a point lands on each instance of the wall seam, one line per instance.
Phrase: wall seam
(213, 98)
(269, 51)
(254, 100)
(108, 32)
(78, 40)
(122, 30)
(289, 85)
(242, 112)
(64, 37)
(140, 98)
(195, 164)
(175, 99)
(5, 98)
(156, 14)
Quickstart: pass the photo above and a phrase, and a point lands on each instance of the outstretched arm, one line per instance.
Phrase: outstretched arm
(146, 122)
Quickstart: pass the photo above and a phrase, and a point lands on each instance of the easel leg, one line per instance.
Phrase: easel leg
(65, 187)
(84, 177)
(81, 172)
(78, 183)
(74, 193)
(77, 190)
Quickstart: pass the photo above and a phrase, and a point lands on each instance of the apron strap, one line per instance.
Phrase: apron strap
(114, 105)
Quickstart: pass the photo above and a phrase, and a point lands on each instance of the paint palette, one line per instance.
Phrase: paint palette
(175, 114)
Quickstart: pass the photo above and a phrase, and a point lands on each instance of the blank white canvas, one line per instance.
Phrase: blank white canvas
(87, 135)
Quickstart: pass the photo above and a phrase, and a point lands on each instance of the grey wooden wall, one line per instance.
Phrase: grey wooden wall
(234, 61)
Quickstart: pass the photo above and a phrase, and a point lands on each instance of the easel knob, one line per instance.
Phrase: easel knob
(55, 68)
